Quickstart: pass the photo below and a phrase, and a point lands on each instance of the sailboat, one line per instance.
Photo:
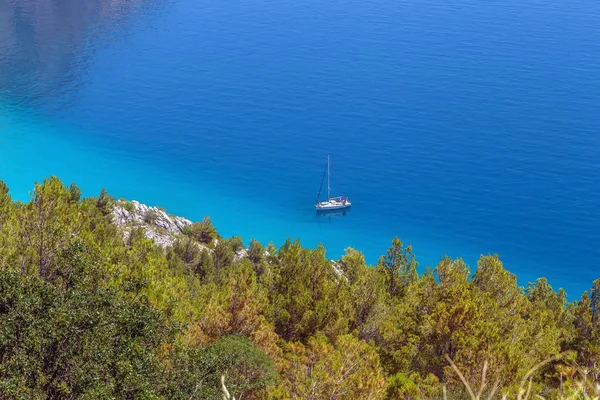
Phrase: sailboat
(332, 203)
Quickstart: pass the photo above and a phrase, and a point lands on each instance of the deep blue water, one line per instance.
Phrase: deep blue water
(463, 127)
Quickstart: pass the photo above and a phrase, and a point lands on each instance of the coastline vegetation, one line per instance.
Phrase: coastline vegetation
(86, 312)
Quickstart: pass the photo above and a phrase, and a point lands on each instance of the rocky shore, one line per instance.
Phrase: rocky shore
(156, 223)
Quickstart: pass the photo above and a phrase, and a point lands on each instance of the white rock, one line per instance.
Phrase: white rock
(161, 230)
(337, 269)
(243, 253)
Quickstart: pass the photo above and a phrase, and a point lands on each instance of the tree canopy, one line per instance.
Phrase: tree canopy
(88, 310)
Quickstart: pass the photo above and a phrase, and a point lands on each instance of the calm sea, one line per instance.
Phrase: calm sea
(463, 127)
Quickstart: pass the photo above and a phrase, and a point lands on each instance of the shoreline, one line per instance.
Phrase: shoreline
(232, 212)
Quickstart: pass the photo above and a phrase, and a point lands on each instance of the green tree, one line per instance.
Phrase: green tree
(204, 231)
(82, 342)
(188, 251)
(595, 302)
(47, 225)
(105, 203)
(248, 371)
(413, 386)
(307, 296)
(587, 339)
(8, 226)
(256, 254)
(347, 370)
(5, 202)
(87, 314)
(399, 267)
(205, 265)
(493, 279)
(367, 293)
(74, 192)
(247, 368)
(235, 243)
(223, 255)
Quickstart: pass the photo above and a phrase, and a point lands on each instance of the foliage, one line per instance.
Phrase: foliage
(150, 216)
(235, 243)
(85, 342)
(203, 232)
(310, 298)
(105, 202)
(247, 368)
(87, 314)
(320, 370)
(223, 255)
(127, 205)
(413, 386)
(74, 192)
(399, 267)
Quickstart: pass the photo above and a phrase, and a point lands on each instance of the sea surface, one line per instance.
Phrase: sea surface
(465, 128)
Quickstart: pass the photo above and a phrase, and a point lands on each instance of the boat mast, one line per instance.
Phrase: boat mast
(328, 179)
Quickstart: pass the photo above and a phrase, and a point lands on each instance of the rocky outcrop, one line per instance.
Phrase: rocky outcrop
(157, 224)
(163, 229)
(243, 253)
(337, 269)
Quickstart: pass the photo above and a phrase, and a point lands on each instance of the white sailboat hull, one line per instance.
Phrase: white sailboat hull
(332, 205)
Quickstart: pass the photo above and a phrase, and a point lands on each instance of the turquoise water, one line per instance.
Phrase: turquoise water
(464, 128)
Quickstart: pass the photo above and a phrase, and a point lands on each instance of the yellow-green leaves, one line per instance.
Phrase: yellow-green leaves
(90, 310)
(346, 369)
(399, 267)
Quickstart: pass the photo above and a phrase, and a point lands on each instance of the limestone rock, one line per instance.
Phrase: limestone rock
(157, 225)
(243, 253)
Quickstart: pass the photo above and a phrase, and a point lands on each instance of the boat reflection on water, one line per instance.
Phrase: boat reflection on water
(332, 214)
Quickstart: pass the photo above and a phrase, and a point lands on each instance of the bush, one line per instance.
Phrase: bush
(74, 192)
(247, 369)
(150, 216)
(203, 232)
(223, 256)
(105, 203)
(236, 243)
(128, 206)
(82, 342)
